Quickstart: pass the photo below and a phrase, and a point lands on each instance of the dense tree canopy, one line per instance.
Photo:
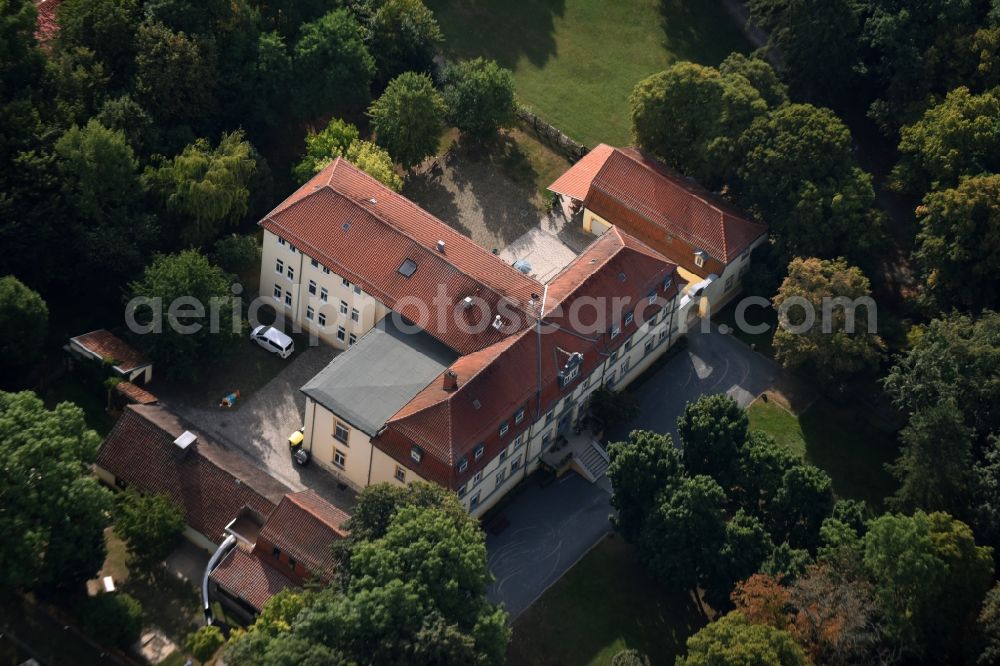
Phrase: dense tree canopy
(797, 172)
(760, 74)
(640, 469)
(24, 321)
(408, 118)
(150, 526)
(53, 510)
(332, 67)
(341, 139)
(713, 430)
(403, 35)
(414, 593)
(958, 245)
(108, 28)
(691, 116)
(479, 95)
(828, 321)
(733, 641)
(171, 293)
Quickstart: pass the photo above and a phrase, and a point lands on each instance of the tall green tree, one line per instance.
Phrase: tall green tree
(108, 28)
(206, 189)
(797, 173)
(175, 76)
(408, 118)
(733, 641)
(762, 466)
(931, 578)
(332, 68)
(480, 97)
(745, 548)
(150, 526)
(24, 323)
(691, 116)
(713, 430)
(53, 509)
(403, 35)
(641, 467)
(171, 292)
(817, 42)
(804, 500)
(828, 321)
(760, 74)
(682, 537)
(321, 147)
(958, 245)
(989, 626)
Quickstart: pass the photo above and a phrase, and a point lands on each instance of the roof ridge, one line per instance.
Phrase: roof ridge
(294, 499)
(597, 267)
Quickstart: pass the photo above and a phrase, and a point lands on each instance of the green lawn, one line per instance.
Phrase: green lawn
(843, 442)
(575, 62)
(605, 603)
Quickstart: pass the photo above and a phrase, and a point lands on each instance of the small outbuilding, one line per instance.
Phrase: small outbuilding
(105, 347)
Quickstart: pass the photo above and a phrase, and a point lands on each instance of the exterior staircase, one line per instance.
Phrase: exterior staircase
(591, 461)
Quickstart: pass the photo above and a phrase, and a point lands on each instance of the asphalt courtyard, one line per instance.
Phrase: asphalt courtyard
(546, 530)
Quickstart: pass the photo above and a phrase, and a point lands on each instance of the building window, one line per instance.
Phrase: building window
(312, 287)
(519, 415)
(461, 490)
(504, 427)
(503, 455)
(292, 562)
(569, 375)
(277, 292)
(416, 453)
(652, 297)
(517, 441)
(586, 382)
(352, 339)
(275, 552)
(515, 464)
(357, 290)
(615, 330)
(291, 273)
(699, 259)
(339, 458)
(400, 474)
(281, 241)
(478, 477)
(546, 438)
(310, 313)
(610, 381)
(322, 319)
(649, 345)
(288, 298)
(629, 316)
(341, 333)
(625, 366)
(474, 502)
(549, 417)
(729, 283)
(663, 336)
(341, 432)
(314, 263)
(501, 477)
(628, 344)
(480, 450)
(667, 283)
(326, 271)
(463, 465)
(323, 294)
(121, 483)
(345, 282)
(343, 307)
(291, 247)
(279, 267)
(355, 315)
(614, 356)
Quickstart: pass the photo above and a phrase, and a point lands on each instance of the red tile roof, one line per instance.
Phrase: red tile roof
(209, 482)
(629, 189)
(448, 424)
(46, 25)
(108, 347)
(364, 231)
(136, 394)
(248, 577)
(305, 526)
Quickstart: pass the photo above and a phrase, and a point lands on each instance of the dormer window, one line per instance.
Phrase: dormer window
(615, 330)
(480, 450)
(407, 268)
(667, 284)
(504, 427)
(629, 316)
(519, 415)
(652, 297)
(699, 258)
(416, 453)
(571, 370)
(463, 465)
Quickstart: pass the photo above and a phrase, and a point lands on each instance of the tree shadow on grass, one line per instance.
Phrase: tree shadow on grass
(501, 30)
(700, 31)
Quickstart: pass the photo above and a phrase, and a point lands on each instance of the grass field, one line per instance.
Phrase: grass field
(841, 442)
(606, 603)
(575, 62)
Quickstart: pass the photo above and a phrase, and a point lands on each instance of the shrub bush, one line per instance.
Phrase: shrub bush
(204, 643)
(113, 619)
(630, 657)
(237, 253)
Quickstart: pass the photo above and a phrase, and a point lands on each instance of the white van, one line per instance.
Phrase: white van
(273, 340)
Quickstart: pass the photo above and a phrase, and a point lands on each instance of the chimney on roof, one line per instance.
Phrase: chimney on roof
(467, 302)
(450, 380)
(441, 246)
(186, 439)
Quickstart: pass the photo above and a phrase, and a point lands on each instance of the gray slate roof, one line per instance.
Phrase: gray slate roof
(372, 380)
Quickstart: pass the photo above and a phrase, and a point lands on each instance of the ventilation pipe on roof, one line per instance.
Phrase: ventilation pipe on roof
(498, 322)
(213, 562)
(441, 246)
(450, 380)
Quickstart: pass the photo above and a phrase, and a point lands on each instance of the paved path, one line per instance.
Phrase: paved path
(260, 426)
(549, 530)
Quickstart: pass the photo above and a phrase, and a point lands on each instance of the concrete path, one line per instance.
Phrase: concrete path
(549, 529)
